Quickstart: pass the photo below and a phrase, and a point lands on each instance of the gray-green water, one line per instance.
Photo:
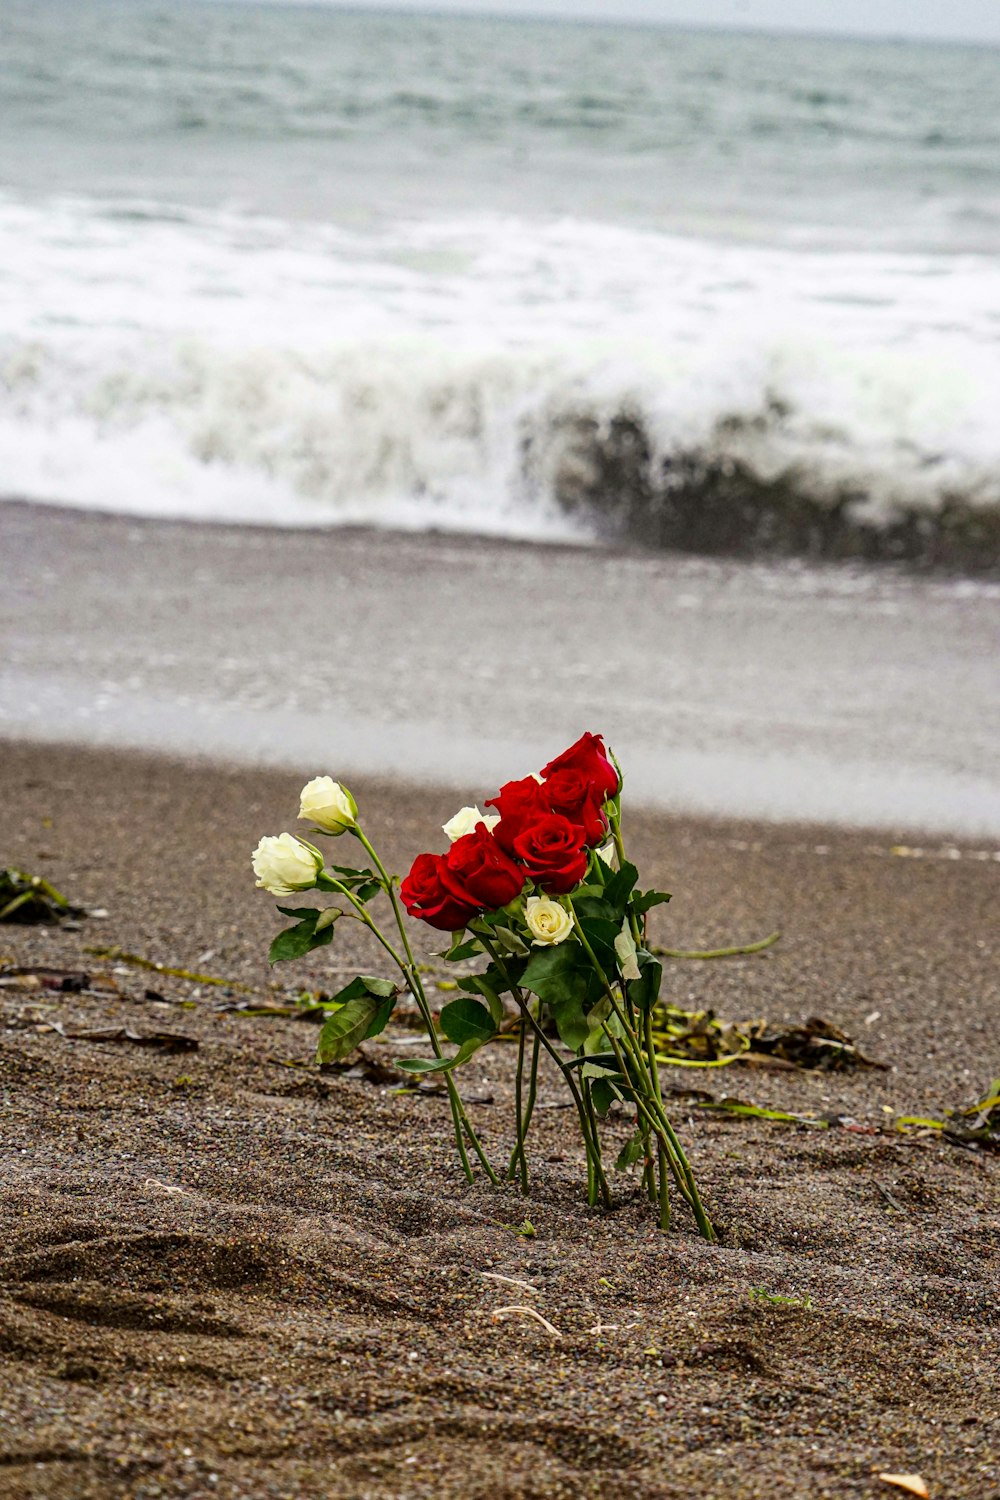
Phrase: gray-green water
(296, 264)
(320, 112)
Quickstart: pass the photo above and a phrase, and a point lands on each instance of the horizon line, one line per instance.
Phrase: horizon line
(462, 11)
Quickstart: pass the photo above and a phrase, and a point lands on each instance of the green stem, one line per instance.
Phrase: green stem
(591, 1147)
(518, 1161)
(669, 1147)
(648, 1178)
(664, 1186)
(735, 952)
(651, 1105)
(519, 1155)
(704, 1223)
(417, 988)
(661, 1154)
(408, 969)
(532, 1084)
(588, 1100)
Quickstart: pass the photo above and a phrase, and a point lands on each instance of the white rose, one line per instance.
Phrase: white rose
(465, 821)
(607, 851)
(328, 804)
(548, 922)
(285, 864)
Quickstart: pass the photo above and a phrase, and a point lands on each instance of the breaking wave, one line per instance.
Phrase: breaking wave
(562, 380)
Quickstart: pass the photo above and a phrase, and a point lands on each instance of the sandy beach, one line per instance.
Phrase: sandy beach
(224, 1273)
(398, 395)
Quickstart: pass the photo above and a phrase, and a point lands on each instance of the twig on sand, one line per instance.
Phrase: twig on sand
(510, 1280)
(892, 1202)
(529, 1312)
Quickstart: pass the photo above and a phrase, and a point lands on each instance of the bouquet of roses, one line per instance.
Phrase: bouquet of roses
(541, 889)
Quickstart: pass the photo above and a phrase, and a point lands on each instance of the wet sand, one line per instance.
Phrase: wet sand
(844, 695)
(225, 1274)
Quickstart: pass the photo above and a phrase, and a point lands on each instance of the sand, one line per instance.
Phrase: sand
(842, 695)
(223, 1273)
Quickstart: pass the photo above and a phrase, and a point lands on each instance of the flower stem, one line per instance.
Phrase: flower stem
(408, 969)
(675, 1152)
(518, 1161)
(532, 1085)
(649, 1099)
(588, 1099)
(591, 1146)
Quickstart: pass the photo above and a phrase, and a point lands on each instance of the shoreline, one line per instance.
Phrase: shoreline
(828, 695)
(690, 543)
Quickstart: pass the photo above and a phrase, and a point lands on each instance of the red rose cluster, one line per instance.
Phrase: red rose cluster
(543, 835)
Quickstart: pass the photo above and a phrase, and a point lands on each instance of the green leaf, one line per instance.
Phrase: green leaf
(352, 1024)
(458, 952)
(365, 984)
(595, 906)
(594, 1071)
(552, 973)
(492, 982)
(479, 984)
(510, 941)
(604, 1093)
(602, 931)
(299, 911)
(569, 1014)
(463, 1019)
(367, 891)
(644, 901)
(601, 1061)
(439, 1064)
(494, 1003)
(296, 941)
(633, 1151)
(644, 991)
(618, 889)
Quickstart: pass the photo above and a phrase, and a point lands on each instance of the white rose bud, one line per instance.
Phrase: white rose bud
(548, 922)
(607, 851)
(328, 804)
(465, 821)
(285, 864)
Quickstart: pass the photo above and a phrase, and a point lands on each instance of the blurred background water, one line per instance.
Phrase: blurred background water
(298, 265)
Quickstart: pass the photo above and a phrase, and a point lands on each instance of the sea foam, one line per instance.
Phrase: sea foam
(482, 373)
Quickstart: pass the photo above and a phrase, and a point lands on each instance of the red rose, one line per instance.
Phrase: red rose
(519, 803)
(552, 851)
(589, 757)
(574, 795)
(425, 896)
(476, 870)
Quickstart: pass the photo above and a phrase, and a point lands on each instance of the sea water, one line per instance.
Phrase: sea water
(297, 265)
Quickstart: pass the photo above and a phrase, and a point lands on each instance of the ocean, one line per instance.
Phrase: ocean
(303, 266)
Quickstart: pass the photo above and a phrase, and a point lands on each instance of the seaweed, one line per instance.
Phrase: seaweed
(28, 898)
(977, 1124)
(698, 1039)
